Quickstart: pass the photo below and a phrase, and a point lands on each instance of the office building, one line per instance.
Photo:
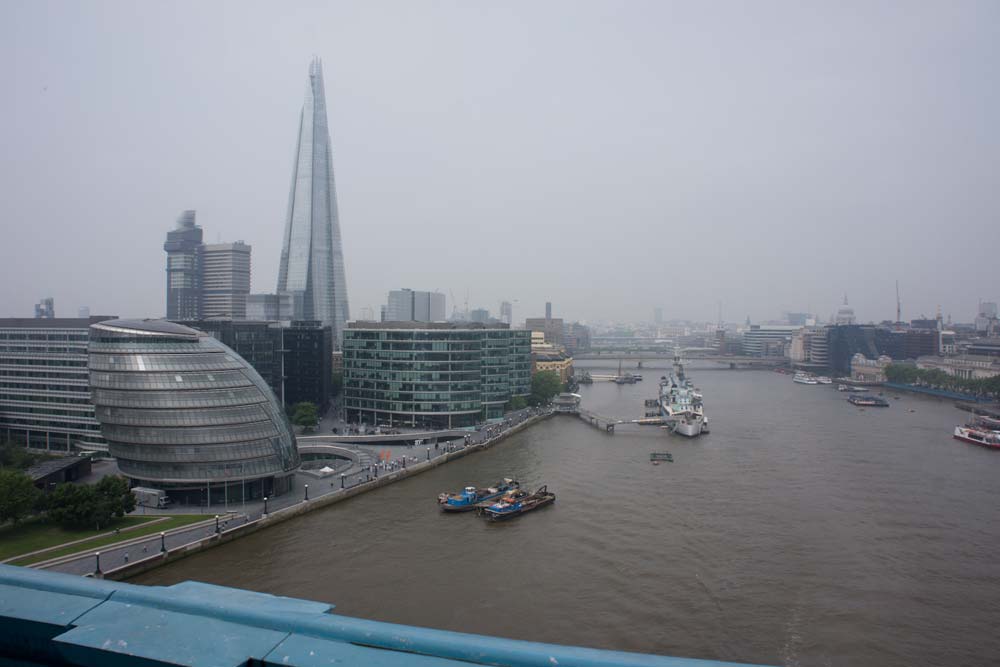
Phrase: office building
(558, 363)
(658, 315)
(273, 307)
(45, 309)
(183, 248)
(83, 312)
(312, 260)
(480, 315)
(294, 358)
(551, 327)
(576, 338)
(846, 340)
(406, 305)
(205, 281)
(433, 375)
(184, 413)
(225, 280)
(902, 344)
(506, 313)
(308, 362)
(768, 340)
(44, 389)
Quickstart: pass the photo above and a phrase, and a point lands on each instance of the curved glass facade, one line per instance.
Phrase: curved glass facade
(433, 375)
(181, 410)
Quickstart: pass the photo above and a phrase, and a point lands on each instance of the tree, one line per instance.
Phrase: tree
(17, 457)
(516, 403)
(115, 495)
(304, 415)
(18, 495)
(74, 506)
(544, 386)
(91, 506)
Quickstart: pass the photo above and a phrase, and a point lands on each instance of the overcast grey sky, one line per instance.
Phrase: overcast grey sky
(609, 156)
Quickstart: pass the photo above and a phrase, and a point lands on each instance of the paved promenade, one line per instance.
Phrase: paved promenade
(375, 462)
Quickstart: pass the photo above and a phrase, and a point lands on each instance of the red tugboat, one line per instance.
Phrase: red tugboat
(988, 439)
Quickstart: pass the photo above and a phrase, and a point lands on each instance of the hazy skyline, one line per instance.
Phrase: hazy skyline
(608, 157)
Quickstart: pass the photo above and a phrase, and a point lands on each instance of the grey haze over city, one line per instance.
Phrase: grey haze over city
(609, 157)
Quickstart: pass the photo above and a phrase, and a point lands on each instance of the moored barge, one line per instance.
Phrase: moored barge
(467, 499)
(507, 508)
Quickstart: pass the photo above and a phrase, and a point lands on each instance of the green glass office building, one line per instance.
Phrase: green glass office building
(433, 374)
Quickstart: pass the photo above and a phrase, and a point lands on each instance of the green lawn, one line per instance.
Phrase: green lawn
(40, 534)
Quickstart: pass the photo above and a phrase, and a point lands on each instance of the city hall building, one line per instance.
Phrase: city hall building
(433, 374)
(182, 412)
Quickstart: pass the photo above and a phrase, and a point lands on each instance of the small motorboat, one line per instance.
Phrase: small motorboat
(467, 499)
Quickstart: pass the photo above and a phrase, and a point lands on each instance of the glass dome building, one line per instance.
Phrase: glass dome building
(182, 412)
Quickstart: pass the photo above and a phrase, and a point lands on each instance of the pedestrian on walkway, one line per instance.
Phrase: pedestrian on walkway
(126, 556)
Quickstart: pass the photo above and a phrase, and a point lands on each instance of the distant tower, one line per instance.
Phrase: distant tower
(548, 310)
(83, 312)
(45, 309)
(312, 259)
(183, 248)
(506, 312)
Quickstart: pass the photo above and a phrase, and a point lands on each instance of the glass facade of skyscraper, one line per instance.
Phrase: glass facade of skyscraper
(181, 411)
(312, 259)
(434, 375)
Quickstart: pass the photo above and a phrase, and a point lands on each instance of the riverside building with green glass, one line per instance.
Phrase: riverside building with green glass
(433, 374)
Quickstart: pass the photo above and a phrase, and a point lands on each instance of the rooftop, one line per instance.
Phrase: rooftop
(456, 326)
(148, 327)
(46, 468)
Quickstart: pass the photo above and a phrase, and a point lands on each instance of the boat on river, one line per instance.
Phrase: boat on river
(681, 404)
(467, 499)
(805, 378)
(988, 439)
(508, 508)
(868, 401)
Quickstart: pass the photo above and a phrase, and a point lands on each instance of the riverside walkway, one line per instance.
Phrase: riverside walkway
(366, 472)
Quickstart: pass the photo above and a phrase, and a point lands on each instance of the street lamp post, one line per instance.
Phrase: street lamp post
(342, 476)
(163, 543)
(265, 505)
(217, 531)
(97, 557)
(307, 492)
(428, 453)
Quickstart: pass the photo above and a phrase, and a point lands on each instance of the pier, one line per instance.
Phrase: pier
(608, 424)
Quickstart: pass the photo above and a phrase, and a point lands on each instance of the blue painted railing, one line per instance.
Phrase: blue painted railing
(50, 618)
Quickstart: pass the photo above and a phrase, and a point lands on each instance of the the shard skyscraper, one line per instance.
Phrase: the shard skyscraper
(312, 258)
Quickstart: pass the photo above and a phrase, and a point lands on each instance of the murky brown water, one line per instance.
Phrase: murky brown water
(801, 531)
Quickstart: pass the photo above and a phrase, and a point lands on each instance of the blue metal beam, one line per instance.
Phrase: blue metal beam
(52, 618)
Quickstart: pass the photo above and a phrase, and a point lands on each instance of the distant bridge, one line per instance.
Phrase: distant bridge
(731, 361)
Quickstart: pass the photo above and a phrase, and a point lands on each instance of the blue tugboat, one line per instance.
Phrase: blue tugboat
(467, 498)
(511, 506)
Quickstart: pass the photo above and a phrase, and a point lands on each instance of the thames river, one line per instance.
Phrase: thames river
(801, 531)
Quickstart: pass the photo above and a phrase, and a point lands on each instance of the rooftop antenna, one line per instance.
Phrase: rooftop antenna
(899, 317)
